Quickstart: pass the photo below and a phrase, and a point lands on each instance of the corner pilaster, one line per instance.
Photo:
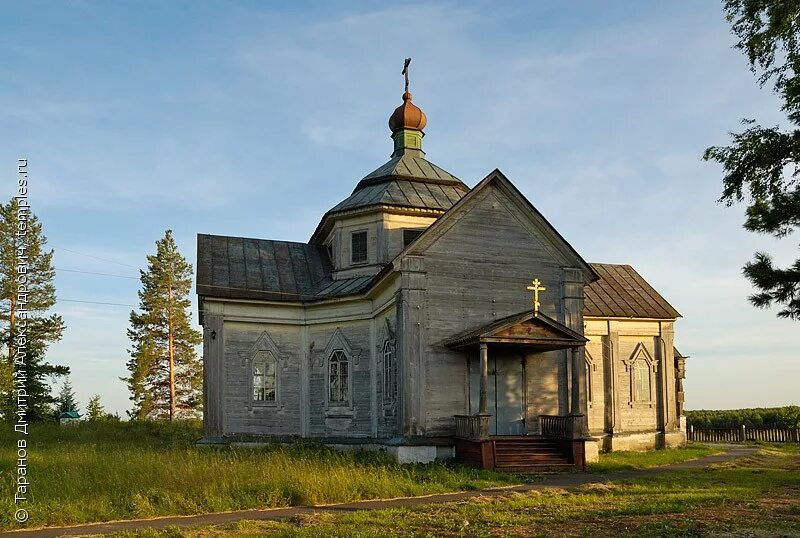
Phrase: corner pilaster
(410, 339)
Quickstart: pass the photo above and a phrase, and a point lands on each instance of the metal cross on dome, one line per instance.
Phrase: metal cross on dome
(405, 71)
(536, 287)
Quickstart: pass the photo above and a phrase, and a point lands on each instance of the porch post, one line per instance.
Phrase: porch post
(575, 400)
(483, 407)
(577, 406)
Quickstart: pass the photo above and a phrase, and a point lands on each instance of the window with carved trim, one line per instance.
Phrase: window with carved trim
(264, 377)
(641, 381)
(389, 373)
(588, 382)
(338, 378)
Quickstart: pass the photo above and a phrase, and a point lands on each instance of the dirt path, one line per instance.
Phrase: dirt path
(564, 481)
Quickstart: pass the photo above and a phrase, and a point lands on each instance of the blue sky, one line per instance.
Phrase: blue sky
(253, 119)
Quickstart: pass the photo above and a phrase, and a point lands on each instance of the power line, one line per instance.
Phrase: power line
(92, 273)
(91, 256)
(96, 302)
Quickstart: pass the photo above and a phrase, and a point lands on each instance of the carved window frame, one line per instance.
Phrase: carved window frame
(591, 368)
(261, 350)
(389, 372)
(339, 369)
(641, 355)
(338, 343)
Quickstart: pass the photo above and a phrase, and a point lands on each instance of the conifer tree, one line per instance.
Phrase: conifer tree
(762, 164)
(165, 377)
(66, 398)
(95, 410)
(38, 326)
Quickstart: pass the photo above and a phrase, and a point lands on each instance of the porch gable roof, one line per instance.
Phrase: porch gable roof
(527, 328)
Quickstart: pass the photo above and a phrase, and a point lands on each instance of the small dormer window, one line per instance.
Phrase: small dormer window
(358, 247)
(410, 235)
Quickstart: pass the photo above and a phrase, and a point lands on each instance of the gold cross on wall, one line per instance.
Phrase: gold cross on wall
(536, 287)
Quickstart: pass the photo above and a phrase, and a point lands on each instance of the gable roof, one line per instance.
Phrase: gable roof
(496, 176)
(621, 292)
(68, 414)
(532, 329)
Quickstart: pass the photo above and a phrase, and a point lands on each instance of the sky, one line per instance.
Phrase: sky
(252, 119)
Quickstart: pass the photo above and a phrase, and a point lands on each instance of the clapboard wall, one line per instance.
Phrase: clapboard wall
(477, 272)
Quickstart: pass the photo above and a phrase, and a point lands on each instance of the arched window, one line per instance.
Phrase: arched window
(641, 381)
(264, 377)
(338, 378)
(389, 373)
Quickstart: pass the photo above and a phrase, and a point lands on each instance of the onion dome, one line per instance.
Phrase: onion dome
(407, 116)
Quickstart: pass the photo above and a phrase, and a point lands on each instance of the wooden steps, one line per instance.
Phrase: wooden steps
(518, 454)
(530, 455)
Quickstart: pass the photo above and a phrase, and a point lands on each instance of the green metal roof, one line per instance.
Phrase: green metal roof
(69, 414)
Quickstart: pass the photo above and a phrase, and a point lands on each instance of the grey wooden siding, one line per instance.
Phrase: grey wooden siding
(356, 419)
(596, 407)
(477, 271)
(636, 416)
(388, 414)
(241, 417)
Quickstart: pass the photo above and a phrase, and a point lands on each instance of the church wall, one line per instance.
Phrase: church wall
(635, 416)
(478, 271)
(355, 418)
(387, 398)
(622, 340)
(300, 336)
(596, 399)
(240, 415)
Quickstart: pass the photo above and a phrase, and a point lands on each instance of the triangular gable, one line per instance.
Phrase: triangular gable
(536, 219)
(529, 329)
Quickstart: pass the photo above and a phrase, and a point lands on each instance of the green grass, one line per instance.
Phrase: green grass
(626, 461)
(98, 472)
(758, 496)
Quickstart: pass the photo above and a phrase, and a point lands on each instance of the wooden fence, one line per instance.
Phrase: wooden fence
(742, 434)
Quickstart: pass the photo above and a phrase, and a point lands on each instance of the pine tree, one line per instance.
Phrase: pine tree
(762, 164)
(38, 326)
(165, 378)
(66, 398)
(95, 409)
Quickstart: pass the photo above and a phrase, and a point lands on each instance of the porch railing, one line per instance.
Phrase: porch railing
(474, 427)
(563, 426)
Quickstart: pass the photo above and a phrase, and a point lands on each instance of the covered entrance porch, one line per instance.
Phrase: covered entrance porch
(500, 431)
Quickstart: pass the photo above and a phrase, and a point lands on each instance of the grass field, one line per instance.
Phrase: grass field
(99, 472)
(755, 497)
(627, 461)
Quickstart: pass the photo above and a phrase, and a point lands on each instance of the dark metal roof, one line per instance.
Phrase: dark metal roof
(243, 268)
(407, 180)
(621, 292)
(403, 193)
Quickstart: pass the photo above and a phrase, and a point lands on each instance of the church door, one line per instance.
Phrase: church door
(506, 393)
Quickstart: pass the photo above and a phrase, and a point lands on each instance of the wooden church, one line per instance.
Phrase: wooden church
(434, 320)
